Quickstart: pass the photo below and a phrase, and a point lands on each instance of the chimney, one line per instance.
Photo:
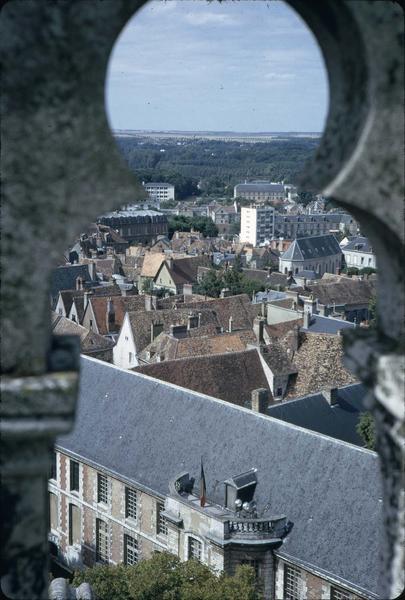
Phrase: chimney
(264, 308)
(79, 283)
(155, 329)
(260, 400)
(199, 319)
(307, 319)
(230, 324)
(258, 328)
(331, 396)
(92, 270)
(187, 289)
(148, 302)
(169, 262)
(110, 316)
(310, 304)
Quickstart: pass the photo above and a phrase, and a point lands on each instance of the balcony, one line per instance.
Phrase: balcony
(259, 530)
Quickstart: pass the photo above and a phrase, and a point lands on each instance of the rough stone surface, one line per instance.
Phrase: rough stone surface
(61, 168)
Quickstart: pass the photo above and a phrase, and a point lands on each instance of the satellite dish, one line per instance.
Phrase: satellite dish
(238, 504)
(246, 506)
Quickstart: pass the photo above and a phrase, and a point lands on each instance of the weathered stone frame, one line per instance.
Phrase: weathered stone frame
(60, 168)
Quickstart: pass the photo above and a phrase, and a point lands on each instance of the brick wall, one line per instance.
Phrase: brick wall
(312, 587)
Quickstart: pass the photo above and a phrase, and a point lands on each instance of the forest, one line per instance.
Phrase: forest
(212, 167)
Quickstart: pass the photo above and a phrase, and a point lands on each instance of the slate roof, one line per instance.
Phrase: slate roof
(64, 278)
(259, 187)
(320, 324)
(314, 412)
(345, 291)
(231, 377)
(277, 358)
(141, 322)
(330, 490)
(319, 360)
(358, 244)
(312, 248)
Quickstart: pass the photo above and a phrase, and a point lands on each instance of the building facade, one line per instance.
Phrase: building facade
(260, 191)
(136, 226)
(159, 191)
(293, 226)
(257, 224)
(358, 253)
(319, 254)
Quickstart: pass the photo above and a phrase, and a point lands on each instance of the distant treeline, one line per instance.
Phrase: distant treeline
(212, 167)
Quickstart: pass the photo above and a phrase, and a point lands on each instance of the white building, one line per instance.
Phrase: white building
(359, 253)
(320, 254)
(159, 192)
(257, 224)
(260, 191)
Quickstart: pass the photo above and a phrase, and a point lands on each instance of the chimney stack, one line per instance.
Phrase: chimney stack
(331, 396)
(148, 302)
(187, 289)
(258, 328)
(307, 319)
(169, 262)
(110, 316)
(230, 324)
(260, 400)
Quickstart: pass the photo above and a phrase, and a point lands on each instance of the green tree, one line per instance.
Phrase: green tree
(165, 577)
(211, 284)
(366, 429)
(372, 311)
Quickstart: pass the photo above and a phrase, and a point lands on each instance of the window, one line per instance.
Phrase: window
(130, 356)
(91, 323)
(53, 511)
(161, 525)
(53, 469)
(194, 549)
(130, 550)
(74, 476)
(130, 503)
(102, 488)
(279, 391)
(74, 525)
(336, 594)
(101, 541)
(292, 580)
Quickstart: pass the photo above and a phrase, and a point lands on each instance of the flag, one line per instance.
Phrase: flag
(203, 489)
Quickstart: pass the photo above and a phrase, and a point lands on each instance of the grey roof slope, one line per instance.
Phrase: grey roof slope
(358, 244)
(329, 489)
(312, 247)
(259, 187)
(320, 324)
(64, 278)
(314, 412)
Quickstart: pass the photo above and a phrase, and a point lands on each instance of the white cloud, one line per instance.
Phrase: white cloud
(209, 18)
(280, 76)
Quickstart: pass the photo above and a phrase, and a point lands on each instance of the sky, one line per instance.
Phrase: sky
(239, 65)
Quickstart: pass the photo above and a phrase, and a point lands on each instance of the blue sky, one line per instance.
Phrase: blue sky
(244, 65)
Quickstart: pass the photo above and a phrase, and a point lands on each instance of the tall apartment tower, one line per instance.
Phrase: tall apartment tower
(257, 224)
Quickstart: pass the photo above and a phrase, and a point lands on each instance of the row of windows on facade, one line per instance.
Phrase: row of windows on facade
(131, 496)
(293, 584)
(102, 547)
